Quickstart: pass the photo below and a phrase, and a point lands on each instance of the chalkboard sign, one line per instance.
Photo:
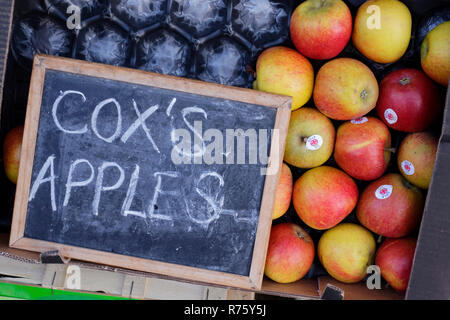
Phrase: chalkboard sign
(149, 172)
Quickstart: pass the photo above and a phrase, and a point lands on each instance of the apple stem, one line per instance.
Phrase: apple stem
(320, 4)
(363, 94)
(380, 238)
(390, 150)
(300, 235)
(405, 81)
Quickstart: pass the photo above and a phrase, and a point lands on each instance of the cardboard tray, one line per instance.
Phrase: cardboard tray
(431, 269)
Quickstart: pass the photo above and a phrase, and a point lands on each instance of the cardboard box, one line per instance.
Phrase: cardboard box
(431, 270)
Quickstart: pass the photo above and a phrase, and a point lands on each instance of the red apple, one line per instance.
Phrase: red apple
(11, 152)
(290, 253)
(409, 101)
(345, 89)
(416, 156)
(320, 29)
(324, 196)
(395, 258)
(283, 195)
(391, 206)
(362, 148)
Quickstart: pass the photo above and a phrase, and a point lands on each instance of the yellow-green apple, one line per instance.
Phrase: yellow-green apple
(363, 148)
(435, 53)
(320, 29)
(391, 206)
(324, 196)
(346, 251)
(409, 101)
(310, 138)
(395, 258)
(285, 71)
(290, 253)
(283, 194)
(11, 152)
(416, 156)
(382, 30)
(345, 89)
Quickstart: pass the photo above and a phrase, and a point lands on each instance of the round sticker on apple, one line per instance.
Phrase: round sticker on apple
(359, 120)
(383, 192)
(314, 142)
(407, 167)
(390, 116)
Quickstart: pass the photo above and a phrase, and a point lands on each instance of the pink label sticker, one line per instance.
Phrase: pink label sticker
(384, 191)
(359, 120)
(390, 116)
(314, 142)
(407, 167)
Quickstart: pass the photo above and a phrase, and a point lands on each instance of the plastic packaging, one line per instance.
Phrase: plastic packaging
(38, 33)
(103, 42)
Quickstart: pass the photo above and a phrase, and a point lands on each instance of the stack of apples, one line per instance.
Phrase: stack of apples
(341, 160)
(340, 140)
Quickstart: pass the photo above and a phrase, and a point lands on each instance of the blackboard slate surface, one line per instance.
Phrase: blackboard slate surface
(112, 171)
(224, 244)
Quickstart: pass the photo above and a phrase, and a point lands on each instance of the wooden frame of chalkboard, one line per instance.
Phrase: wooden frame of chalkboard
(44, 63)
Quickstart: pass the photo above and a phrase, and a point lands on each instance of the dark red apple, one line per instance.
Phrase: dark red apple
(391, 206)
(409, 100)
(395, 258)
